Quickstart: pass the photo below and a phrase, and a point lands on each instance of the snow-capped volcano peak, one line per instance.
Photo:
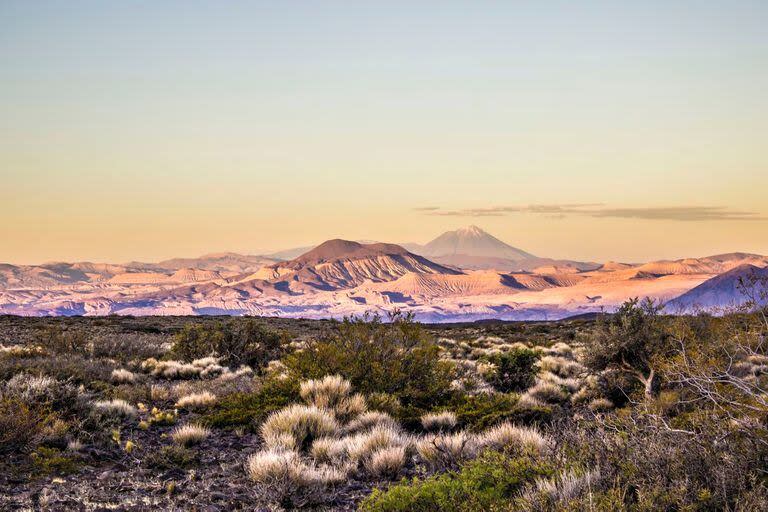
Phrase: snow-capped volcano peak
(472, 240)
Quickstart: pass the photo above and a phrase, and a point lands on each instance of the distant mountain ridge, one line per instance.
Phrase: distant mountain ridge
(341, 277)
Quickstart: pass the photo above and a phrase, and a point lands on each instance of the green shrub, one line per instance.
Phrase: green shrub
(58, 339)
(47, 461)
(21, 425)
(237, 341)
(75, 368)
(515, 370)
(482, 411)
(488, 483)
(250, 409)
(377, 357)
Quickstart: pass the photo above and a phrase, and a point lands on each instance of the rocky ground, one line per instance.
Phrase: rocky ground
(217, 481)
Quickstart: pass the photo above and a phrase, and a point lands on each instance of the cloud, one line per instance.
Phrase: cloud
(678, 213)
(426, 208)
(684, 213)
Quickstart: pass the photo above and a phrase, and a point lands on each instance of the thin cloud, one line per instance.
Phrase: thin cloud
(678, 213)
(684, 213)
(426, 208)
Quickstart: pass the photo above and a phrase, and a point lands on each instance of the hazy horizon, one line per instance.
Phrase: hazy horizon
(269, 251)
(591, 131)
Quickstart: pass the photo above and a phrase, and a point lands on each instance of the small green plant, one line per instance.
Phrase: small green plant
(172, 457)
(482, 411)
(250, 409)
(161, 418)
(21, 425)
(488, 483)
(47, 461)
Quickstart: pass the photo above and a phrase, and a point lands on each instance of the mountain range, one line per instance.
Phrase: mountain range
(465, 274)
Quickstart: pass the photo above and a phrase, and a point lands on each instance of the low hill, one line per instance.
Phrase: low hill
(337, 264)
(726, 290)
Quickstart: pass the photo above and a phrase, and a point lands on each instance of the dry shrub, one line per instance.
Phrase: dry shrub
(301, 422)
(190, 434)
(45, 395)
(439, 422)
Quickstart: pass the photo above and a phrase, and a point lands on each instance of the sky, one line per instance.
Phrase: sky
(588, 130)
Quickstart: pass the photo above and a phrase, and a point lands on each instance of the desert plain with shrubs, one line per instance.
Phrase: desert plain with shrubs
(633, 411)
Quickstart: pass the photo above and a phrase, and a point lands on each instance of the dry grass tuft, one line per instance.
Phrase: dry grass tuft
(326, 392)
(175, 370)
(547, 392)
(561, 366)
(387, 462)
(557, 492)
(284, 478)
(357, 449)
(362, 446)
(439, 422)
(300, 422)
(116, 407)
(328, 450)
(442, 452)
(190, 434)
(196, 400)
(159, 393)
(333, 392)
(370, 419)
(123, 376)
(571, 384)
(600, 405)
(507, 437)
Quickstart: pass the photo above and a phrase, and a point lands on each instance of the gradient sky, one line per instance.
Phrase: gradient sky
(586, 130)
